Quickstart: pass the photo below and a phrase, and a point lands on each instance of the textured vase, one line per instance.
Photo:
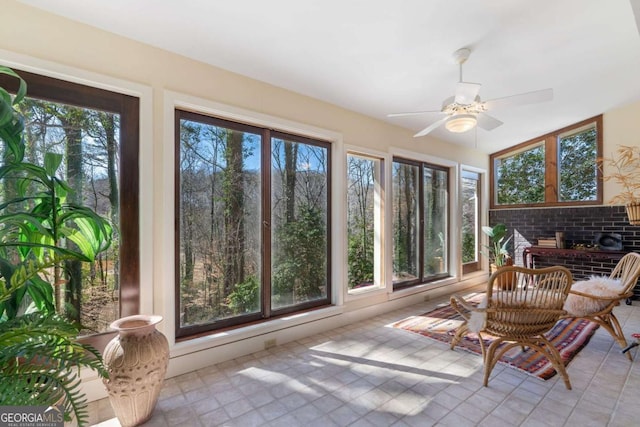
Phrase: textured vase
(137, 361)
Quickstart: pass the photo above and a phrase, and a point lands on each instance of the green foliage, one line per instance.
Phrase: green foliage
(577, 165)
(245, 297)
(468, 247)
(498, 252)
(24, 283)
(39, 218)
(434, 250)
(360, 261)
(39, 354)
(11, 121)
(521, 177)
(300, 267)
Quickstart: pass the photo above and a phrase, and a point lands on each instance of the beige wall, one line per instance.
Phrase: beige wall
(621, 127)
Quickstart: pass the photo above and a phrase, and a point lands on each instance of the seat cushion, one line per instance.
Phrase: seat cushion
(579, 306)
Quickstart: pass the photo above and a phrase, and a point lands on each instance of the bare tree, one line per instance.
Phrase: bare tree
(233, 197)
(73, 120)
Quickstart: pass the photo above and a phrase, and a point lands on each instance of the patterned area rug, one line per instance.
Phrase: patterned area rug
(569, 336)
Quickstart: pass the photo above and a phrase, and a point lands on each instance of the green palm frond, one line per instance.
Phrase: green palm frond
(39, 363)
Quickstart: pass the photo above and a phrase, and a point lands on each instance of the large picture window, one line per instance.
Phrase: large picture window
(557, 169)
(420, 222)
(253, 210)
(97, 133)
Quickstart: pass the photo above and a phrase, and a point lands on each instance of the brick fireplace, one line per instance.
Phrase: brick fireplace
(580, 226)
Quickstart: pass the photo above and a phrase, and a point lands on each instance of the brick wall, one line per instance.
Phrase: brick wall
(579, 224)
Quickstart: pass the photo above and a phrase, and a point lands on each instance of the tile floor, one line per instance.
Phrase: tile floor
(368, 374)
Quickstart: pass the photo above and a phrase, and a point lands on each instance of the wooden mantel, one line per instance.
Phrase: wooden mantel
(529, 253)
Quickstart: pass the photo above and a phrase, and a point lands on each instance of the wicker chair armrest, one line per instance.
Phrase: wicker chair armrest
(601, 298)
(463, 307)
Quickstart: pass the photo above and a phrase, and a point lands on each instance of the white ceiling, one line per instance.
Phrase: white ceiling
(381, 56)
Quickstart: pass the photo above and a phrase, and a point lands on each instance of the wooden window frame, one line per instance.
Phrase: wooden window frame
(420, 276)
(552, 173)
(266, 311)
(128, 107)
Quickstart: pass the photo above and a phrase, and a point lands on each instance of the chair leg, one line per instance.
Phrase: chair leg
(611, 324)
(490, 358)
(553, 355)
(619, 336)
(461, 332)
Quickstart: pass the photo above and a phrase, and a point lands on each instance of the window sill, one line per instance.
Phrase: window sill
(222, 338)
(422, 288)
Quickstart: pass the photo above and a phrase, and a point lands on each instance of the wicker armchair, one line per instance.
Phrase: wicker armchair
(519, 307)
(595, 301)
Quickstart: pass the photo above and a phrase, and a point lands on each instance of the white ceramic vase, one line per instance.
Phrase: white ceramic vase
(137, 361)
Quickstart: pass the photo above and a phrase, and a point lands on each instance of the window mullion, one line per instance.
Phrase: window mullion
(266, 223)
(421, 223)
(551, 169)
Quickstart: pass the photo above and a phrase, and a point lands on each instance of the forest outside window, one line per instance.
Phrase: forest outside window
(557, 169)
(97, 133)
(253, 210)
(420, 222)
(364, 221)
(471, 191)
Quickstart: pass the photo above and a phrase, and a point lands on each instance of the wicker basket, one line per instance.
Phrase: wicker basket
(633, 212)
(505, 281)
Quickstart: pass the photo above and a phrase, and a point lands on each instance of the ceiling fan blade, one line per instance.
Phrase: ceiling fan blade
(487, 122)
(412, 113)
(543, 95)
(466, 93)
(431, 127)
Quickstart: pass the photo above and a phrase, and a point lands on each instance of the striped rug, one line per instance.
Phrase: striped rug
(569, 336)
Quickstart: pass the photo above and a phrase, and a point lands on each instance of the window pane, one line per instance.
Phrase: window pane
(89, 142)
(470, 206)
(436, 190)
(520, 177)
(361, 220)
(577, 155)
(220, 223)
(299, 242)
(405, 221)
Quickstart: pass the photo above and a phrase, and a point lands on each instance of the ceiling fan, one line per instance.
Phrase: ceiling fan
(465, 110)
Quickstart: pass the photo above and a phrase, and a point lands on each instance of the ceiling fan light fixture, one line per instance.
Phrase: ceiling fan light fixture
(461, 123)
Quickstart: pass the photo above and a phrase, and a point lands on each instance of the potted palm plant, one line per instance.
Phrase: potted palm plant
(497, 247)
(498, 253)
(625, 171)
(39, 352)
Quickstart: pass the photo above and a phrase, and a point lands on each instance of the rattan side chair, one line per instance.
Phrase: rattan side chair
(627, 272)
(518, 314)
